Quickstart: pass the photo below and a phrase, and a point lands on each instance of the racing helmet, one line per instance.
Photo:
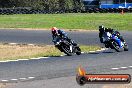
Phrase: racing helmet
(101, 28)
(54, 30)
(117, 33)
(106, 29)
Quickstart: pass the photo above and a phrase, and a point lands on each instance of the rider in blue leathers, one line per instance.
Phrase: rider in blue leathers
(102, 30)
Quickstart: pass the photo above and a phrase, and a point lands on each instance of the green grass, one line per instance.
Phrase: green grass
(89, 21)
(87, 48)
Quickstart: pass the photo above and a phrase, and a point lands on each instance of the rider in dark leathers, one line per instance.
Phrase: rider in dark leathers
(57, 32)
(102, 30)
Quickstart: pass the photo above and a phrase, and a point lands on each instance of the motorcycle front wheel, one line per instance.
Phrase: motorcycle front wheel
(125, 47)
(78, 50)
(115, 46)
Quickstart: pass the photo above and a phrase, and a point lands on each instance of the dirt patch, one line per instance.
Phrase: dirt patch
(8, 52)
(3, 85)
(24, 51)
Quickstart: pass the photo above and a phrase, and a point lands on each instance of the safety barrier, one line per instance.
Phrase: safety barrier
(9, 11)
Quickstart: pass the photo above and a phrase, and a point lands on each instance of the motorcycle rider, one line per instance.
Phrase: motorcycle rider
(57, 32)
(103, 30)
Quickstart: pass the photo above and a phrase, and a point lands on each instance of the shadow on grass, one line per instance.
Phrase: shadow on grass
(94, 53)
(108, 52)
(55, 56)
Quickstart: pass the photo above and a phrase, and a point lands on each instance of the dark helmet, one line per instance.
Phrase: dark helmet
(101, 28)
(117, 33)
(110, 30)
(106, 29)
(54, 30)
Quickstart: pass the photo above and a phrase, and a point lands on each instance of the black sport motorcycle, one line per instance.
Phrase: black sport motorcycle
(67, 47)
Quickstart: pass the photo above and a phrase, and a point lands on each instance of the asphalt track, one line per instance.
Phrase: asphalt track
(59, 72)
(44, 37)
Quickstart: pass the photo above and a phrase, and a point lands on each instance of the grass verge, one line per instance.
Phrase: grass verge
(86, 21)
(13, 52)
(3, 85)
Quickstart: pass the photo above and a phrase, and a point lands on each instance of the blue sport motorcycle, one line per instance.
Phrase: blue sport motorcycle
(112, 41)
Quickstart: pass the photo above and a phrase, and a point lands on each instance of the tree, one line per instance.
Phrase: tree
(78, 5)
(49, 5)
(5, 3)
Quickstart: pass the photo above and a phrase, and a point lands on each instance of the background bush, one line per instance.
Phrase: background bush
(49, 5)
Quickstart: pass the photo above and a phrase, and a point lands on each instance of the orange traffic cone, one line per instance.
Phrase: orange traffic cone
(122, 11)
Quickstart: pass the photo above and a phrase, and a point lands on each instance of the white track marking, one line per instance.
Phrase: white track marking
(130, 66)
(123, 67)
(41, 57)
(61, 55)
(12, 60)
(4, 80)
(14, 79)
(92, 51)
(114, 68)
(98, 50)
(13, 43)
(31, 77)
(22, 59)
(82, 52)
(103, 49)
(31, 44)
(22, 78)
(3, 61)
(35, 58)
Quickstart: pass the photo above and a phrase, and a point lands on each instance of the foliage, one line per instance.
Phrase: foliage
(49, 5)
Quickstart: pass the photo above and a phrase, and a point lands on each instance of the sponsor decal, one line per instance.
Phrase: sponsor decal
(83, 78)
